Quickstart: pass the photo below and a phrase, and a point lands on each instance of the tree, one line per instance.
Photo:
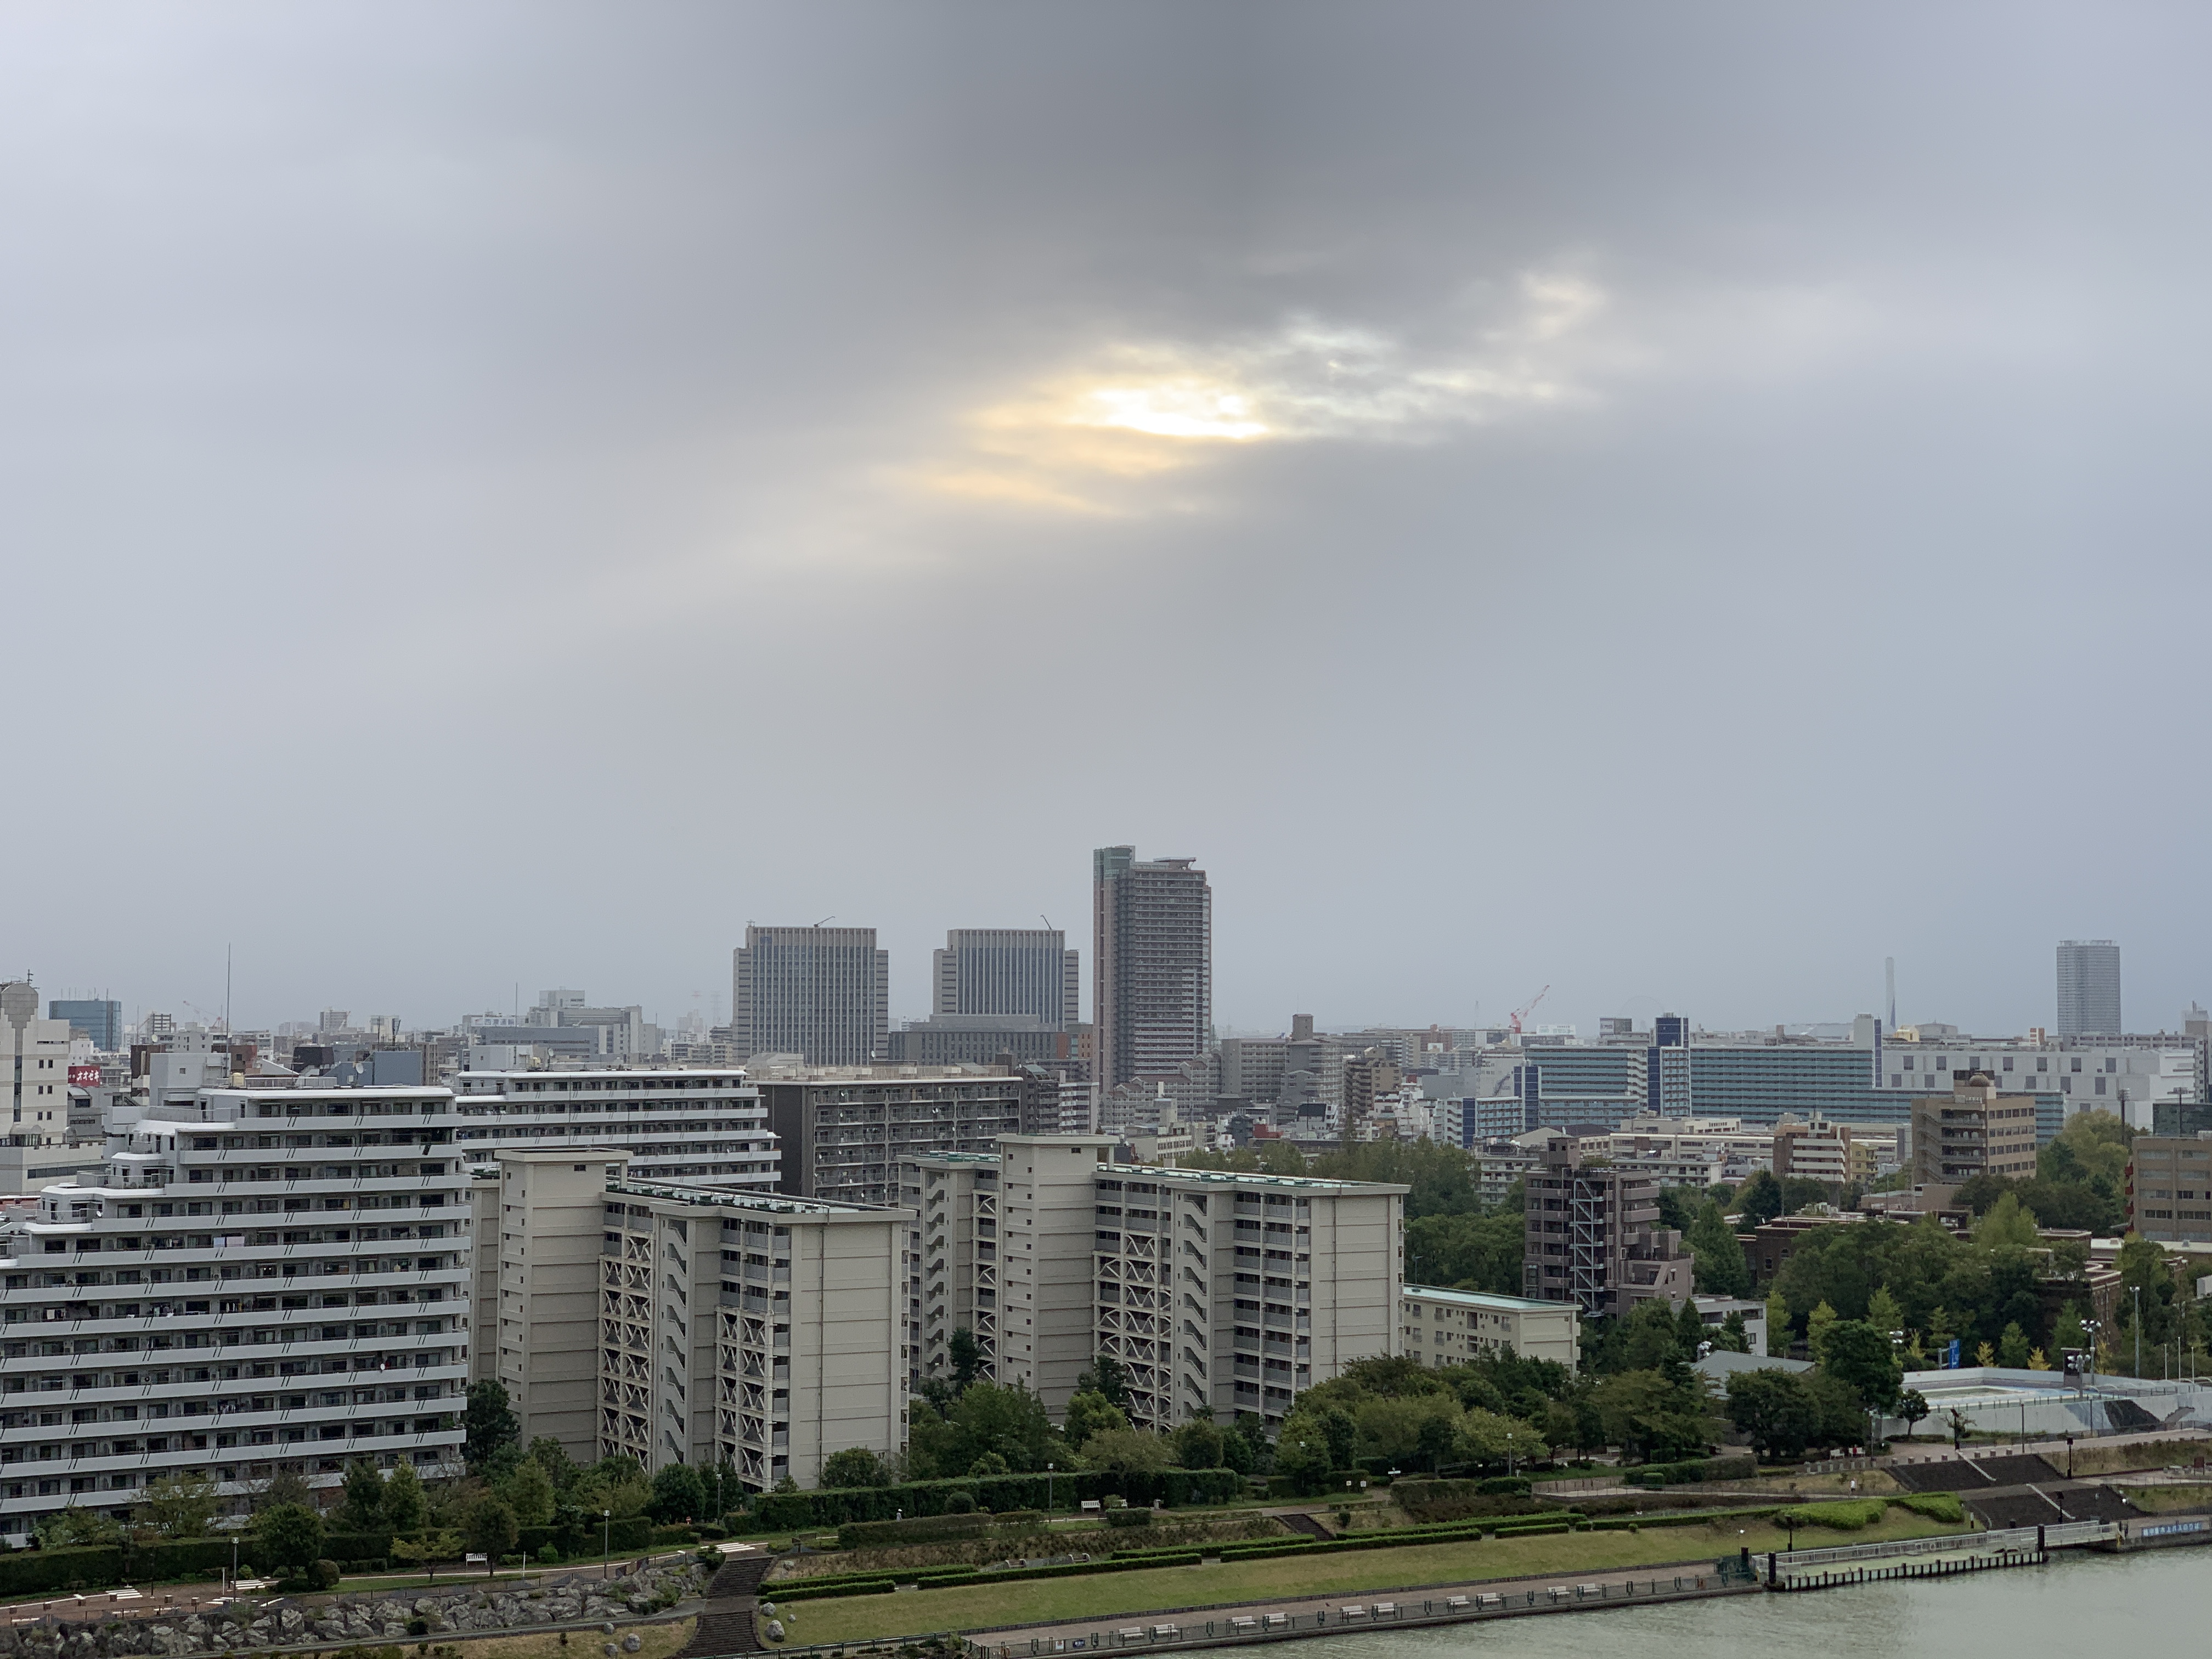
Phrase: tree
(1775, 1410)
(2069, 1332)
(488, 1426)
(493, 1529)
(529, 1492)
(1088, 1411)
(288, 1537)
(426, 1551)
(289, 1488)
(71, 1525)
(1125, 1451)
(404, 1507)
(1883, 1313)
(966, 1355)
(2013, 1350)
(362, 1507)
(179, 1504)
(1759, 1200)
(1777, 1325)
(1721, 1269)
(1107, 1376)
(677, 1494)
(1651, 1416)
(855, 1466)
(1198, 1445)
(2006, 1225)
(1732, 1336)
(1302, 1455)
(1855, 1353)
(1818, 1324)
(1912, 1406)
(1468, 1252)
(1840, 1414)
(551, 1456)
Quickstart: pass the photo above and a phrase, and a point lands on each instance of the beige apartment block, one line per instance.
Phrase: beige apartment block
(2170, 1188)
(1450, 1327)
(538, 1229)
(1223, 1293)
(1047, 1326)
(950, 1260)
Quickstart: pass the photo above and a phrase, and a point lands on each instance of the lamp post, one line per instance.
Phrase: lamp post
(606, 1540)
(1509, 1453)
(1048, 1494)
(2138, 1290)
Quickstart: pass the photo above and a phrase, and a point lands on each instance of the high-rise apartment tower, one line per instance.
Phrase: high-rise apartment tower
(1154, 964)
(2089, 988)
(821, 992)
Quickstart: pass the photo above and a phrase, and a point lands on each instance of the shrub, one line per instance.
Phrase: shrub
(1130, 1518)
(960, 1503)
(547, 1554)
(1935, 1505)
(1843, 1514)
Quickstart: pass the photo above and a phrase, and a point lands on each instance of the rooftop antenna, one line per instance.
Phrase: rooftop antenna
(1047, 921)
(1889, 974)
(226, 990)
(825, 919)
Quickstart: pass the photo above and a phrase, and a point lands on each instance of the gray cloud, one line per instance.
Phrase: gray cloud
(496, 493)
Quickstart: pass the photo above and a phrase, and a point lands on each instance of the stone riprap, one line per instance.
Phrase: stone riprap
(369, 1618)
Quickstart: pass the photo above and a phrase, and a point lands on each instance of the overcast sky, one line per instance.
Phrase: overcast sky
(1675, 503)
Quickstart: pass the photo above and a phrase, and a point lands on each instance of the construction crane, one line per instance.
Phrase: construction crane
(1527, 1007)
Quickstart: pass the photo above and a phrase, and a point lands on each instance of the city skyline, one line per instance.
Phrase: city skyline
(481, 470)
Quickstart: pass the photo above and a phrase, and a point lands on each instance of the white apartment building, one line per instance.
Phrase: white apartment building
(679, 1123)
(1450, 1327)
(36, 1146)
(1223, 1293)
(728, 1326)
(258, 1280)
(952, 1258)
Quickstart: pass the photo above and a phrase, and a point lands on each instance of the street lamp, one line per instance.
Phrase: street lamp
(2138, 1290)
(1509, 1453)
(606, 1543)
(1047, 1493)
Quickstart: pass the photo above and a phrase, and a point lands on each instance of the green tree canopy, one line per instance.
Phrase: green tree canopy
(1775, 1410)
(855, 1466)
(362, 1509)
(1721, 1268)
(288, 1537)
(404, 1508)
(1125, 1451)
(677, 1494)
(1759, 1200)
(489, 1423)
(1089, 1412)
(493, 1530)
(179, 1504)
(944, 1442)
(1856, 1354)
(1197, 1444)
(529, 1492)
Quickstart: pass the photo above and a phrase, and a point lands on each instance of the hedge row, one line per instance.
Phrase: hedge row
(834, 1506)
(632, 1533)
(27, 1573)
(1693, 1469)
(1533, 1528)
(1691, 1518)
(922, 1529)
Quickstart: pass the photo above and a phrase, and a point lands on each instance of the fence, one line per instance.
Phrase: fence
(2060, 1536)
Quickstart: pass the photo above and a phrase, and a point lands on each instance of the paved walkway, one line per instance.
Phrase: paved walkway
(1364, 1608)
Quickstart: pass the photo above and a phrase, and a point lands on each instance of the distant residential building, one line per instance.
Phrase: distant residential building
(841, 1131)
(1152, 965)
(1715, 1311)
(1027, 972)
(102, 1021)
(1813, 1152)
(37, 1147)
(1589, 1236)
(2089, 988)
(2169, 1190)
(820, 993)
(1450, 1327)
(677, 1123)
(1971, 1131)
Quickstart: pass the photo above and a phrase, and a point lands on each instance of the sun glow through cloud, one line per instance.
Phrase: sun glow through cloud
(1077, 439)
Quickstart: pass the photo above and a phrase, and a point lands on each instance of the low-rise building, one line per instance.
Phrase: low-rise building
(1449, 1327)
(1972, 1131)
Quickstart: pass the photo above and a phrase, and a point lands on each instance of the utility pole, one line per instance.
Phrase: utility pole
(2138, 1290)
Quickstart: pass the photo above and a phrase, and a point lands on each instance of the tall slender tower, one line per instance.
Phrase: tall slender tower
(2089, 988)
(1152, 962)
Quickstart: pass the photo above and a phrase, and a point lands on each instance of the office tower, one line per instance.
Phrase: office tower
(676, 1123)
(1972, 1130)
(1589, 1237)
(697, 1325)
(823, 994)
(1152, 962)
(841, 1131)
(99, 1020)
(1009, 970)
(2089, 988)
(343, 1335)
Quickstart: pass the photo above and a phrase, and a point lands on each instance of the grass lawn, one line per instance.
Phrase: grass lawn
(1111, 1594)
(660, 1641)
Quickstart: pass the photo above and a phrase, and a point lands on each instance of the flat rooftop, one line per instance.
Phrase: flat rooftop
(1486, 1302)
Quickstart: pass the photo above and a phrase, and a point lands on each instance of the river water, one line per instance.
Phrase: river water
(2149, 1606)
